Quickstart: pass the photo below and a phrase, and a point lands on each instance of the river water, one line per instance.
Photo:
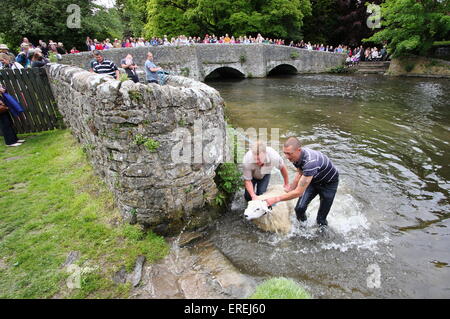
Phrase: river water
(389, 227)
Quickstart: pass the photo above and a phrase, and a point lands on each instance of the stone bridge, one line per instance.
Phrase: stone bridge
(206, 61)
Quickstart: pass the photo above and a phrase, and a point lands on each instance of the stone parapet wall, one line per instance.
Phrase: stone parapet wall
(200, 60)
(113, 120)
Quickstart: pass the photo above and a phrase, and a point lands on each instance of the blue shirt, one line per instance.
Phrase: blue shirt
(318, 165)
(151, 76)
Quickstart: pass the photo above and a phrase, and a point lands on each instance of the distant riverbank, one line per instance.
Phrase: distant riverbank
(420, 67)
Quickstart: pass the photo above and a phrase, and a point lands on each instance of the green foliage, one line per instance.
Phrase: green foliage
(55, 205)
(52, 57)
(149, 143)
(409, 66)
(135, 95)
(47, 20)
(280, 288)
(272, 18)
(322, 23)
(341, 69)
(123, 77)
(411, 27)
(294, 55)
(134, 15)
(228, 180)
(242, 58)
(220, 199)
(441, 43)
(152, 145)
(185, 71)
(139, 139)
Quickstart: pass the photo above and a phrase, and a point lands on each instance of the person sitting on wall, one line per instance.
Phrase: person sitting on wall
(103, 66)
(258, 164)
(151, 70)
(130, 68)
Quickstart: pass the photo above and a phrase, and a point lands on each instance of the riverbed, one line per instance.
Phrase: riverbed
(389, 232)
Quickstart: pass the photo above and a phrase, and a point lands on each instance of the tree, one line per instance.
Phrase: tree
(47, 20)
(411, 26)
(320, 26)
(272, 18)
(134, 16)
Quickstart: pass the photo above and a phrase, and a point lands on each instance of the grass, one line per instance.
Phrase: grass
(280, 288)
(51, 203)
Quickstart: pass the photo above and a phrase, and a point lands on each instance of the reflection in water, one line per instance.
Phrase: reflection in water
(390, 139)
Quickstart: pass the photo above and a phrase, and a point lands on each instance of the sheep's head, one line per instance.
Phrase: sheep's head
(256, 209)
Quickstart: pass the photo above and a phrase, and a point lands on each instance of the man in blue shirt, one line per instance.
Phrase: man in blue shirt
(151, 69)
(316, 175)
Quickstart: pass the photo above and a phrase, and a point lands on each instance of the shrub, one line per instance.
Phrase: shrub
(228, 180)
(149, 143)
(123, 77)
(294, 55)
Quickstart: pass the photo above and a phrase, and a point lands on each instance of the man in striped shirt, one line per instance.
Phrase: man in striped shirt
(316, 175)
(103, 66)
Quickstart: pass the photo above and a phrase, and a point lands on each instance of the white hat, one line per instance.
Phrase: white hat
(3, 47)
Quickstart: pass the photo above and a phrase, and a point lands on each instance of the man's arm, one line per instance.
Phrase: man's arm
(155, 69)
(117, 75)
(297, 192)
(249, 187)
(285, 174)
(295, 181)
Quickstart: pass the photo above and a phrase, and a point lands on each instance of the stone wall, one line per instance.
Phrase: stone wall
(113, 119)
(199, 61)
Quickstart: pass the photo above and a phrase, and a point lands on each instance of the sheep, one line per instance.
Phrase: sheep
(278, 218)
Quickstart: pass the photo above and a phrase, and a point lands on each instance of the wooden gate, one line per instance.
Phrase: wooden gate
(31, 88)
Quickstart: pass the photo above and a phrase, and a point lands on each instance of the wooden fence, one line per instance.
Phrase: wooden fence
(31, 88)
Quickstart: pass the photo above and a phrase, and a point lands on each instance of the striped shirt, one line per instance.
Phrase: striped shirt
(318, 165)
(105, 67)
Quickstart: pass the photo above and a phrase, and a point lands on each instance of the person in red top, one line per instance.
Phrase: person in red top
(98, 45)
(74, 50)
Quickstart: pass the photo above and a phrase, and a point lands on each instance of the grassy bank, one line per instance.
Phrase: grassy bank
(51, 204)
(419, 66)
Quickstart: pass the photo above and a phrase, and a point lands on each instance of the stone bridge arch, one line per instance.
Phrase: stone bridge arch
(224, 71)
(283, 68)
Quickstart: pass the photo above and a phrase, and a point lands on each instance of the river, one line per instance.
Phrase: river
(389, 225)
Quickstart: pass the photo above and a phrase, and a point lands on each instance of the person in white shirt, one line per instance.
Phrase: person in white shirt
(258, 164)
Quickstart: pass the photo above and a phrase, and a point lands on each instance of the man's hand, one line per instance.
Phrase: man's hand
(255, 197)
(287, 188)
(271, 201)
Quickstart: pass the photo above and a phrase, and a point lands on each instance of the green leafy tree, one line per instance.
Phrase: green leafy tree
(411, 26)
(273, 18)
(322, 23)
(133, 14)
(47, 20)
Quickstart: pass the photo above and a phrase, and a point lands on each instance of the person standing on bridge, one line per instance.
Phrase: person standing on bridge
(258, 164)
(316, 175)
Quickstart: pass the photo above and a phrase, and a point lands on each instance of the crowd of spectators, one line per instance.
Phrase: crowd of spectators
(38, 56)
